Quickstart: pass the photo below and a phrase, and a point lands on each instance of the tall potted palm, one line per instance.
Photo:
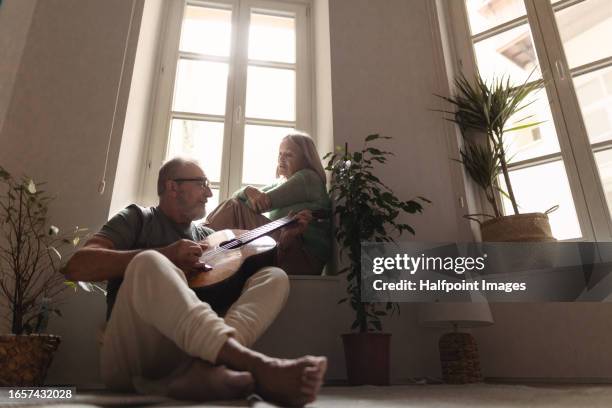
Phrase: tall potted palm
(30, 279)
(485, 108)
(366, 210)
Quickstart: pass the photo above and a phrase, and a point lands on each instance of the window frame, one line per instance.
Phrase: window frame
(576, 151)
(234, 119)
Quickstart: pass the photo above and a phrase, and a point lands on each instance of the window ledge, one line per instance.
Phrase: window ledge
(314, 278)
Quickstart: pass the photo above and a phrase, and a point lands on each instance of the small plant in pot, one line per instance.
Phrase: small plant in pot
(365, 206)
(30, 279)
(485, 108)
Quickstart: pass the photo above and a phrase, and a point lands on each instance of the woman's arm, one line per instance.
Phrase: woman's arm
(257, 199)
(301, 187)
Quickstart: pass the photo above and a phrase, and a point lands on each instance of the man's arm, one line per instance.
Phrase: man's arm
(98, 260)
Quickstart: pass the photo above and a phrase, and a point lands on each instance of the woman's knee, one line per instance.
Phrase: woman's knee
(228, 205)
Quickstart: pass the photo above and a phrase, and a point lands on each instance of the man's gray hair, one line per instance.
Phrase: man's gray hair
(170, 170)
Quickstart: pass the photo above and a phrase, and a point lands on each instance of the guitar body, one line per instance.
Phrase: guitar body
(222, 285)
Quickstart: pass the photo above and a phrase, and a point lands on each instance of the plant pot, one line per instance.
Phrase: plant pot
(25, 358)
(531, 227)
(367, 358)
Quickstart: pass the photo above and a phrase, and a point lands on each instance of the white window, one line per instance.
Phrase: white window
(565, 44)
(235, 78)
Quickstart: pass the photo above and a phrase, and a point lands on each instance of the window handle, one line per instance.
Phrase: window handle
(560, 70)
(239, 114)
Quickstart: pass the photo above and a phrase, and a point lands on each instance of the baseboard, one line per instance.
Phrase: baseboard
(548, 380)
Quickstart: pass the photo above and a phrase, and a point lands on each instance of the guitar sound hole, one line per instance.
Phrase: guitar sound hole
(224, 243)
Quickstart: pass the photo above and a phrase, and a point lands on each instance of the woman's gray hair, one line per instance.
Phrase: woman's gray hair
(309, 150)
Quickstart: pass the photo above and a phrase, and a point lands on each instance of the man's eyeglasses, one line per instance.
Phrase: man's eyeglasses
(201, 181)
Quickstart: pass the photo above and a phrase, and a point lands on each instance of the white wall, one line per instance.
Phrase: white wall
(548, 341)
(312, 323)
(132, 155)
(56, 130)
(15, 19)
(385, 68)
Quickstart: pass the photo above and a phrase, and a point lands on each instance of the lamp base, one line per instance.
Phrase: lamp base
(459, 358)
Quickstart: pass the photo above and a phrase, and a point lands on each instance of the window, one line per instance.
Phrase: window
(567, 160)
(234, 79)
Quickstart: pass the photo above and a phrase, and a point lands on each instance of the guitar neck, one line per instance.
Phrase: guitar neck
(280, 223)
(265, 229)
(261, 231)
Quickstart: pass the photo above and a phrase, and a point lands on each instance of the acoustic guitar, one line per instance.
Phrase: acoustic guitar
(233, 257)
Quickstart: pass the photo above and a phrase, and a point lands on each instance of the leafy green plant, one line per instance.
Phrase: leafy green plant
(486, 107)
(482, 163)
(365, 209)
(30, 254)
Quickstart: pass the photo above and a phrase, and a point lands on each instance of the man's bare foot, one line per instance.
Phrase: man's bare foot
(290, 382)
(205, 382)
(287, 382)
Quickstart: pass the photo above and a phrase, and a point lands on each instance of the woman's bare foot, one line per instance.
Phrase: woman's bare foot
(205, 382)
(290, 382)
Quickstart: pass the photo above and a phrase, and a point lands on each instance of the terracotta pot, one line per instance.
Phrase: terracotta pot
(531, 227)
(367, 358)
(25, 359)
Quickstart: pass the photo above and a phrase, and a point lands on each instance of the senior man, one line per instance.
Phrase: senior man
(160, 338)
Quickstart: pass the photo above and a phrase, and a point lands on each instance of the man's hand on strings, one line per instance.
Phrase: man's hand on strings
(185, 254)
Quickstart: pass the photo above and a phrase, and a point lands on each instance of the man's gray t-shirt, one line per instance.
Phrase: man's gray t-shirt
(136, 227)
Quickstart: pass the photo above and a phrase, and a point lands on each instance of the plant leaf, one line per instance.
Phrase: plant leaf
(31, 187)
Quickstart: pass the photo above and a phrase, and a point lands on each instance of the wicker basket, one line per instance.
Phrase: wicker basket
(25, 358)
(459, 359)
(531, 227)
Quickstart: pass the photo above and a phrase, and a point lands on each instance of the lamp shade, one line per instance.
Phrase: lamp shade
(466, 315)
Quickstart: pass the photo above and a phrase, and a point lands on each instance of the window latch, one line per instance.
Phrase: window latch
(560, 70)
(239, 114)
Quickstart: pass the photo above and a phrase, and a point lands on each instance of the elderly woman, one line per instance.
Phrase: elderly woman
(300, 186)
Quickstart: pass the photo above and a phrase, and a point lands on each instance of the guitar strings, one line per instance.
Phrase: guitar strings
(246, 237)
(268, 227)
(249, 236)
(276, 224)
(242, 239)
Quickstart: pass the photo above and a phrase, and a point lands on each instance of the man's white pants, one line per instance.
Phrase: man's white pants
(159, 326)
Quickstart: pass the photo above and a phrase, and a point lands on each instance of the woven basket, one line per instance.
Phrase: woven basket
(25, 358)
(531, 227)
(459, 359)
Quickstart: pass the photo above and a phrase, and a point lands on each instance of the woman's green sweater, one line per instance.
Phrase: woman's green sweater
(303, 190)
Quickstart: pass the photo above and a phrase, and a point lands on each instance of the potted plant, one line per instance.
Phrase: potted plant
(365, 206)
(485, 108)
(30, 279)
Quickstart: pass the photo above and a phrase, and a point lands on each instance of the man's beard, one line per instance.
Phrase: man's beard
(194, 211)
